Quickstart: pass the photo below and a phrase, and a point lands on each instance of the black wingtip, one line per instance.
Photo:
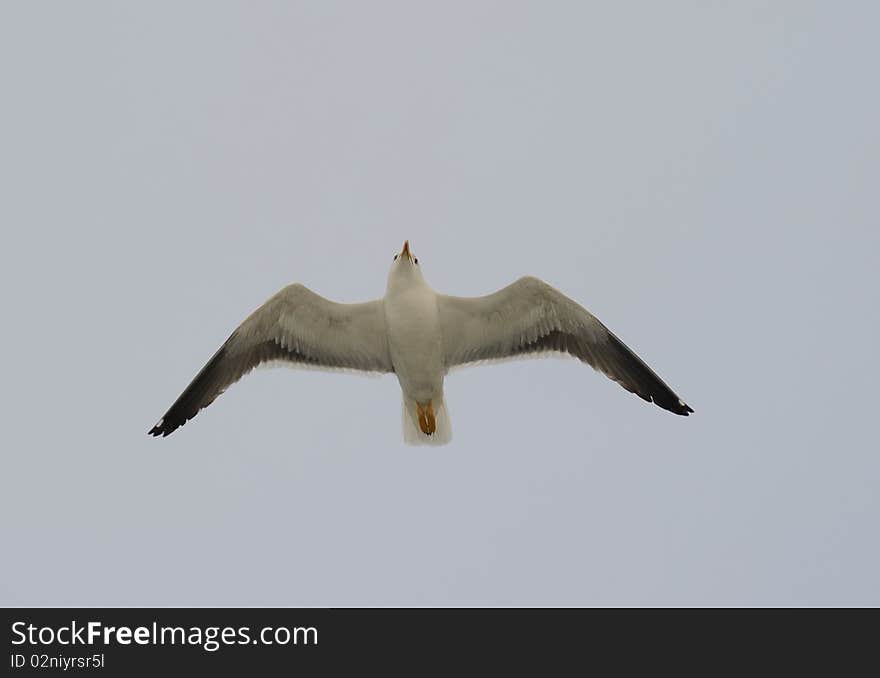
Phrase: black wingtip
(163, 428)
(676, 406)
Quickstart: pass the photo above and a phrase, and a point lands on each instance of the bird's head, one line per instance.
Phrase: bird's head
(405, 267)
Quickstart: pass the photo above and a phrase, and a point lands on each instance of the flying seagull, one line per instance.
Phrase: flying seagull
(418, 335)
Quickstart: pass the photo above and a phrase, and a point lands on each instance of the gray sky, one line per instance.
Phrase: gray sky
(703, 178)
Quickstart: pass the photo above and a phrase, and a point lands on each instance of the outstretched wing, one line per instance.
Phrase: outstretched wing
(296, 326)
(529, 317)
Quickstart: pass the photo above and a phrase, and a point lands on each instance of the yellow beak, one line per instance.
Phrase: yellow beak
(406, 252)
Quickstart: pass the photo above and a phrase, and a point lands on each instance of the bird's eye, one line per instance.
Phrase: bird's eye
(395, 257)
(416, 260)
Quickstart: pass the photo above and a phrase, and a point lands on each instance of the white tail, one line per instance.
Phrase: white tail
(412, 428)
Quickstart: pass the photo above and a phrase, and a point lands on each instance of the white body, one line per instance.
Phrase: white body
(415, 343)
(415, 347)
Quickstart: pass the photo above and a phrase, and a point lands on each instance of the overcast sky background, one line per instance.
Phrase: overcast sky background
(703, 178)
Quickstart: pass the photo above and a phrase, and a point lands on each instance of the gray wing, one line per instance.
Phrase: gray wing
(296, 326)
(529, 317)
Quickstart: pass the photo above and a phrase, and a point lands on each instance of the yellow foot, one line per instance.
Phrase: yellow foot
(426, 418)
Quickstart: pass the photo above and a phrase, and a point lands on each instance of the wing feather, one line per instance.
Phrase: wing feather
(530, 317)
(298, 327)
